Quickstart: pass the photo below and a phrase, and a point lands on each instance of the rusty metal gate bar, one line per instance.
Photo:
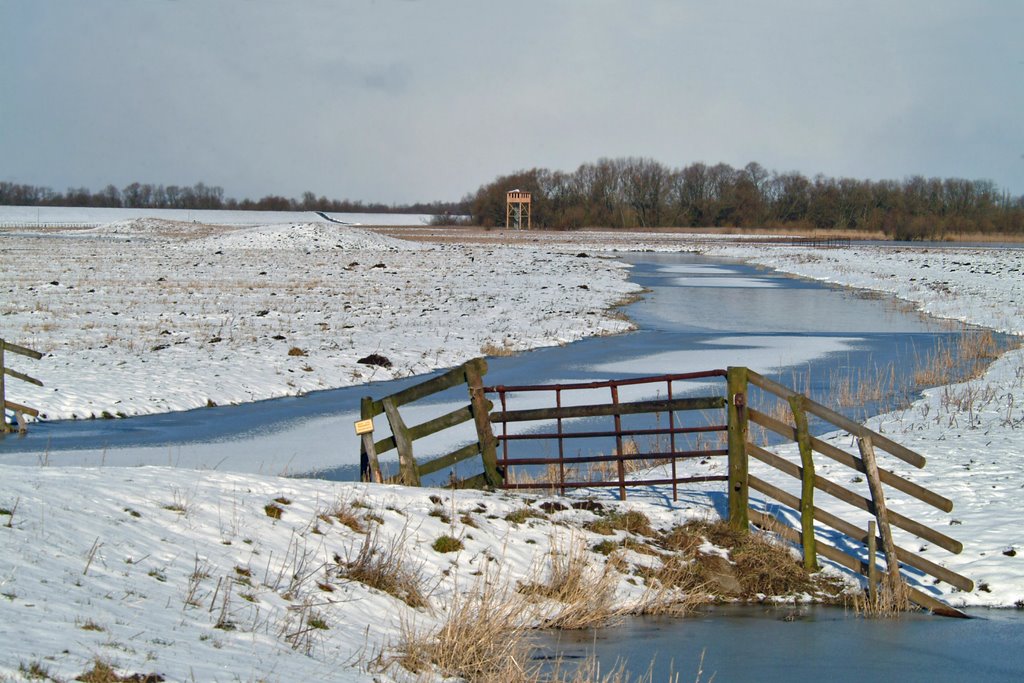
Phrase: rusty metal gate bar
(561, 445)
(620, 457)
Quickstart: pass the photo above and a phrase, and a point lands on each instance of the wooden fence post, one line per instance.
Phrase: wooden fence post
(369, 466)
(803, 438)
(737, 433)
(403, 444)
(475, 371)
(894, 581)
(4, 429)
(867, 454)
(872, 563)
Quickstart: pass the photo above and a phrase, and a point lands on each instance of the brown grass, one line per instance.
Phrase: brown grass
(385, 566)
(585, 594)
(890, 599)
(676, 588)
(762, 563)
(630, 521)
(102, 672)
(345, 512)
(498, 350)
(482, 638)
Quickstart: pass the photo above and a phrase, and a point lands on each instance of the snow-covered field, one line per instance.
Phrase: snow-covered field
(149, 316)
(57, 216)
(182, 571)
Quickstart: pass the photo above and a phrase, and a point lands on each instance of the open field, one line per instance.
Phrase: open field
(149, 315)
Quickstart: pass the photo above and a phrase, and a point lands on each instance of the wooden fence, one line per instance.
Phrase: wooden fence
(19, 410)
(856, 551)
(403, 437)
(741, 514)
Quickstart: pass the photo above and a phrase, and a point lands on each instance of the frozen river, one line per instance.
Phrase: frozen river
(699, 314)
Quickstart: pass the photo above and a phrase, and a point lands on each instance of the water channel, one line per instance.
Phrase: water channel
(698, 314)
(808, 643)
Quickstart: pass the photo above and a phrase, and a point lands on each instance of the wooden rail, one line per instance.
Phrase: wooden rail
(803, 503)
(19, 410)
(403, 436)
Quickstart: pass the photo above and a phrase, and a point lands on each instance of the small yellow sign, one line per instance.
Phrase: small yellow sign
(364, 427)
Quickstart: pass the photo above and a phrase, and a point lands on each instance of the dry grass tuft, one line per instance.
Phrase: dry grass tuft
(447, 544)
(522, 514)
(675, 588)
(890, 600)
(586, 594)
(385, 566)
(345, 512)
(765, 566)
(482, 638)
(102, 672)
(631, 521)
(498, 350)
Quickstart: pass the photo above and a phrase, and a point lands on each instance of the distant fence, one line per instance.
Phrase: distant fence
(7, 225)
(19, 410)
(728, 416)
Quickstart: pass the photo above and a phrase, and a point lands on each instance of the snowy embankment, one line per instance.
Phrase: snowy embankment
(194, 575)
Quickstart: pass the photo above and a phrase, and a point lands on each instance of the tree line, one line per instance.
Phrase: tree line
(643, 193)
(634, 192)
(201, 196)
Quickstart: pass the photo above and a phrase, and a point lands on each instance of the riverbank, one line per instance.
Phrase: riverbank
(149, 315)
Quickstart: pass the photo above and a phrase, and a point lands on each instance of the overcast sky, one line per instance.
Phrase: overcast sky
(409, 100)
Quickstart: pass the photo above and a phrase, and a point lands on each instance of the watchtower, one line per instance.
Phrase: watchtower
(517, 207)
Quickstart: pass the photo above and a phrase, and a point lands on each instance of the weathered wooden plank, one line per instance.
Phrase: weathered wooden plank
(369, 465)
(620, 465)
(839, 557)
(437, 424)
(384, 445)
(18, 408)
(867, 454)
(481, 407)
(467, 451)
(737, 437)
(477, 481)
(603, 410)
(872, 562)
(424, 429)
(906, 557)
(21, 350)
(406, 461)
(23, 377)
(852, 461)
(833, 489)
(890, 446)
(803, 438)
(452, 378)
